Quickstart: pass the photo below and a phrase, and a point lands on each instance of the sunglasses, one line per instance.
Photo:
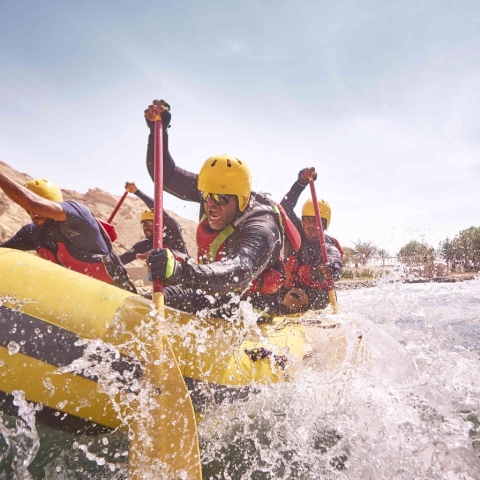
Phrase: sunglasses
(218, 198)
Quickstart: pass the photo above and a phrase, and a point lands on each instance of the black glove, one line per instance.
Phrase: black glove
(317, 275)
(305, 174)
(163, 103)
(335, 269)
(163, 265)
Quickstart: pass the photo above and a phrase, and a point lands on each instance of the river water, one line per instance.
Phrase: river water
(406, 406)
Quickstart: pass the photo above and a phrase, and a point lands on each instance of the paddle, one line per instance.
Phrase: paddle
(323, 248)
(158, 297)
(110, 229)
(171, 436)
(115, 210)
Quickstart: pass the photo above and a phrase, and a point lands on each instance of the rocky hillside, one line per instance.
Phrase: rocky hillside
(126, 221)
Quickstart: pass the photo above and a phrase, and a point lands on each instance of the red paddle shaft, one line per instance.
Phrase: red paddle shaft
(119, 204)
(158, 196)
(323, 249)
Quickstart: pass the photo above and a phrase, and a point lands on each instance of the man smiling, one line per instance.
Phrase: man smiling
(239, 239)
(172, 234)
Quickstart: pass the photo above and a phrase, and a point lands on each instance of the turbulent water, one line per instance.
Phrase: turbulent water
(406, 405)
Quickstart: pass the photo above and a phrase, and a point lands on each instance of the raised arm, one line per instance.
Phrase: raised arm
(32, 203)
(177, 181)
(289, 201)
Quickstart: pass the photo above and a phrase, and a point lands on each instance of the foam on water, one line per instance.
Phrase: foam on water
(405, 404)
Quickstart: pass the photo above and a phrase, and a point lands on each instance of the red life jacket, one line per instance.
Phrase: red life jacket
(211, 248)
(300, 274)
(104, 267)
(108, 228)
(289, 229)
(95, 270)
(211, 243)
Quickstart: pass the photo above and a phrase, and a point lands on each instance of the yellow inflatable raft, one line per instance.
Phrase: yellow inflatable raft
(62, 335)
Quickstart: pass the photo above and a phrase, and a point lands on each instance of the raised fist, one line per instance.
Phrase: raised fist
(307, 174)
(130, 187)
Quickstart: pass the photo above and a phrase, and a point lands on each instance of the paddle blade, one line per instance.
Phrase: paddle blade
(164, 443)
(333, 300)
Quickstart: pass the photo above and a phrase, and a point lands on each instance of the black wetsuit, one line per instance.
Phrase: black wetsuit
(172, 234)
(310, 254)
(254, 246)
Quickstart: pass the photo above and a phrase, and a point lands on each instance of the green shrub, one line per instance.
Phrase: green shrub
(355, 273)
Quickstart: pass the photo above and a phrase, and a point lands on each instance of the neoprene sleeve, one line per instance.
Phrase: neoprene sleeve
(254, 246)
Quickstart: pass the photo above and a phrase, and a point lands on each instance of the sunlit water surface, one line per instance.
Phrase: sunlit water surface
(405, 405)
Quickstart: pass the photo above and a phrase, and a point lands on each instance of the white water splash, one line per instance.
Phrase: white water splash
(21, 442)
(404, 405)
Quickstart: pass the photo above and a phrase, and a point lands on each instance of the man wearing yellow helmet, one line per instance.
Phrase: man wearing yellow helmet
(64, 232)
(239, 240)
(172, 234)
(305, 287)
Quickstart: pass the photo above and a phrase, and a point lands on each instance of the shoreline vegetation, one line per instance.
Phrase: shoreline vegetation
(368, 282)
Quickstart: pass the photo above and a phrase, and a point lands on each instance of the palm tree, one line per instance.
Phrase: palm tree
(383, 254)
(364, 251)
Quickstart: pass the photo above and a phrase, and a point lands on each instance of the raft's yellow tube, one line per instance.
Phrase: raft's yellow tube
(41, 295)
(208, 350)
(47, 313)
(211, 351)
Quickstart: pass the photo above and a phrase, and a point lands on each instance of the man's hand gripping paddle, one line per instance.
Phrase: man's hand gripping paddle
(323, 248)
(171, 436)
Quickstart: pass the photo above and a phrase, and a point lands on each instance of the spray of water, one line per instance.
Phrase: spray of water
(403, 404)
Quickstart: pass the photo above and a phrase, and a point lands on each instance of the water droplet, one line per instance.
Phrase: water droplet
(13, 347)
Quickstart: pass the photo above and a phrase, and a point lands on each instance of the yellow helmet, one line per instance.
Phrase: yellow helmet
(146, 215)
(323, 206)
(226, 174)
(45, 189)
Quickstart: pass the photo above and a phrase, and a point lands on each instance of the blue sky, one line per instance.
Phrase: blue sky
(382, 97)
